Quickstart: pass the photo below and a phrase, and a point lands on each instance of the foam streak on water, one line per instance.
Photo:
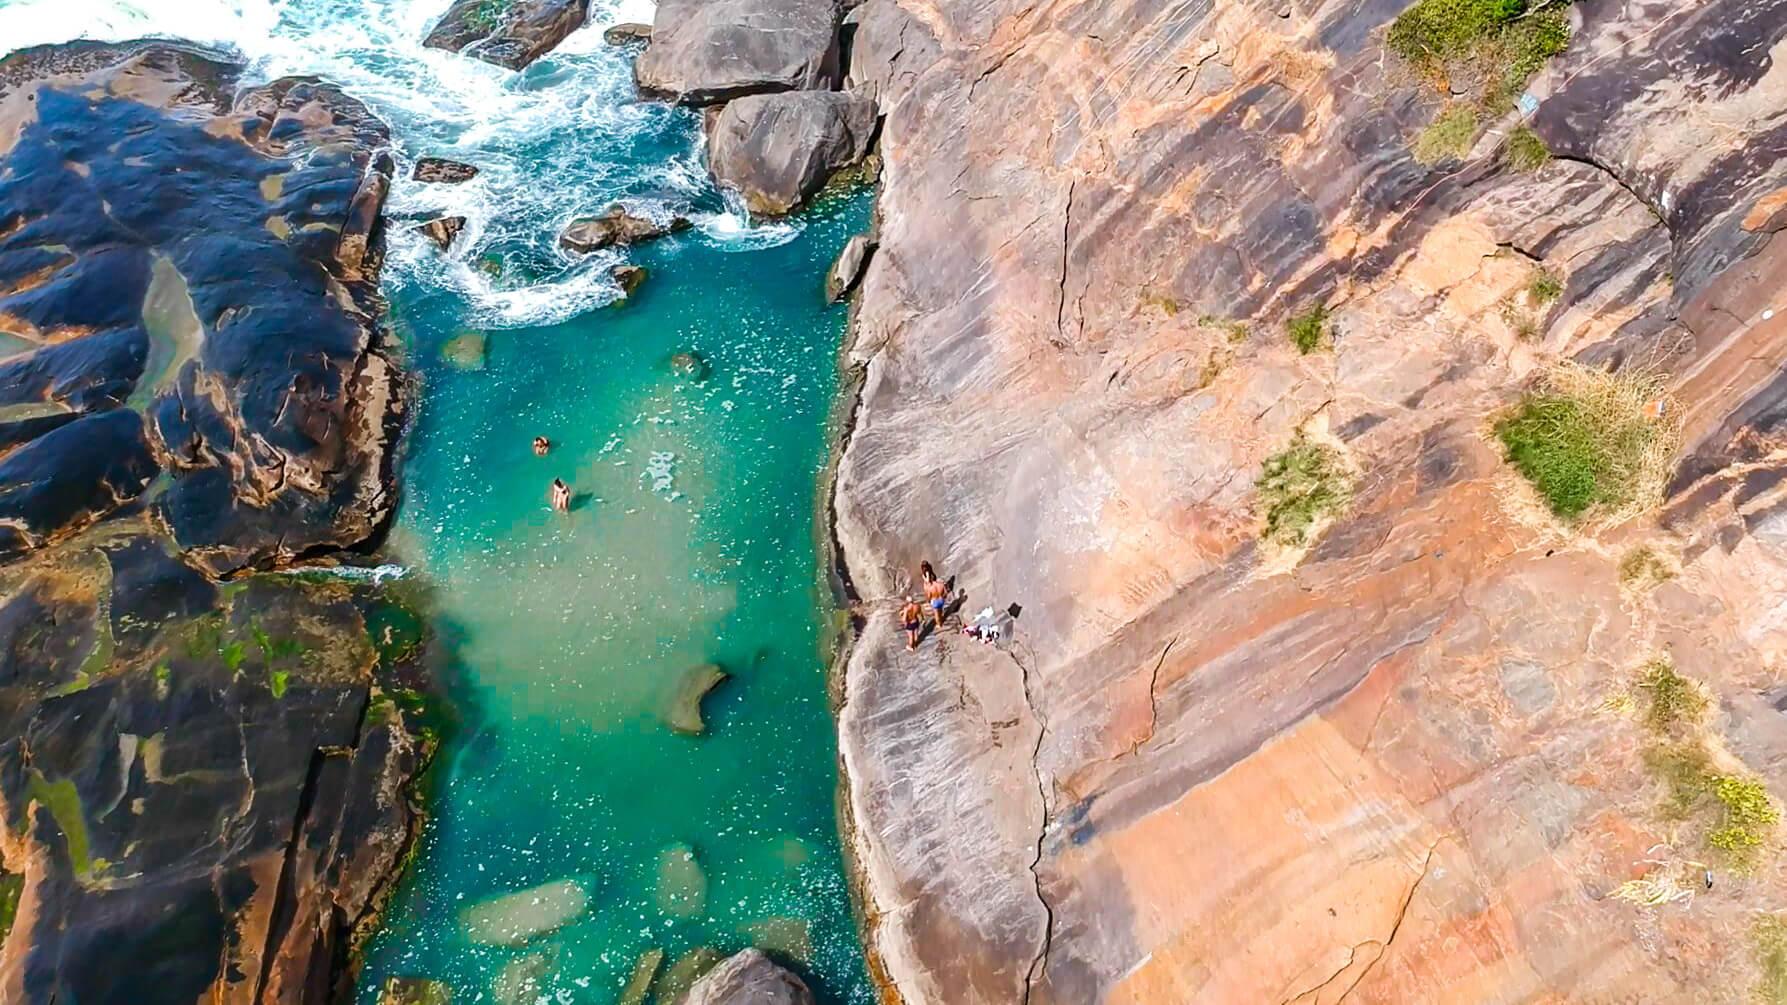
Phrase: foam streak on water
(690, 539)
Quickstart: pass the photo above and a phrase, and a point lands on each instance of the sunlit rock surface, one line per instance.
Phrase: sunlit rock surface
(1392, 768)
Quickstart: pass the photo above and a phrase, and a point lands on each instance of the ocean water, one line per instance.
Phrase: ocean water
(691, 539)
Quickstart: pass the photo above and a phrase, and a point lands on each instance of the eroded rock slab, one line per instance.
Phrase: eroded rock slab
(443, 171)
(779, 149)
(442, 231)
(620, 225)
(749, 977)
(1206, 770)
(704, 52)
(509, 33)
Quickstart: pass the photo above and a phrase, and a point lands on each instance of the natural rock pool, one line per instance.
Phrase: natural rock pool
(691, 538)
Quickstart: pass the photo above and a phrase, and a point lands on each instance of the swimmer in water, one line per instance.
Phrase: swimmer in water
(541, 445)
(936, 593)
(560, 496)
(909, 616)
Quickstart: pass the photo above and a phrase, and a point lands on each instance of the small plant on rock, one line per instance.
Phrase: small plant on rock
(1449, 135)
(1544, 286)
(1675, 702)
(1301, 486)
(1643, 568)
(1525, 150)
(1749, 818)
(1589, 443)
(1308, 330)
(1498, 43)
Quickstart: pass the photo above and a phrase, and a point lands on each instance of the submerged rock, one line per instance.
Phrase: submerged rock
(618, 226)
(629, 277)
(627, 33)
(848, 268)
(690, 365)
(749, 977)
(514, 918)
(639, 983)
(705, 52)
(682, 885)
(439, 169)
(682, 713)
(682, 975)
(509, 33)
(442, 231)
(415, 991)
(788, 937)
(522, 980)
(778, 149)
(467, 351)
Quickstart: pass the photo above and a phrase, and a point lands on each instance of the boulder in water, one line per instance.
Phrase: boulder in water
(682, 885)
(749, 976)
(705, 52)
(439, 169)
(629, 277)
(509, 33)
(682, 975)
(617, 225)
(690, 364)
(414, 991)
(442, 231)
(627, 33)
(779, 149)
(683, 712)
(466, 351)
(848, 268)
(514, 918)
(639, 984)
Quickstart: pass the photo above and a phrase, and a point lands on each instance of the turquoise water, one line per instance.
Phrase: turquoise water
(692, 539)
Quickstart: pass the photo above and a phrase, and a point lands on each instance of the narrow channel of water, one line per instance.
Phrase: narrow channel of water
(691, 541)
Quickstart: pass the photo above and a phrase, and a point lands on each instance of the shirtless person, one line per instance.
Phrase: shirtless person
(936, 593)
(909, 616)
(541, 445)
(560, 496)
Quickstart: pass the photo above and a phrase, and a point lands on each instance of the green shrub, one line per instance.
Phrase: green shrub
(1502, 42)
(1675, 701)
(1299, 486)
(1525, 150)
(1544, 286)
(1685, 771)
(1309, 329)
(1749, 818)
(1448, 135)
(1586, 443)
(1237, 330)
(1642, 567)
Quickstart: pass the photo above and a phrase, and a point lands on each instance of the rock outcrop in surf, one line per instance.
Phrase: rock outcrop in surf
(202, 794)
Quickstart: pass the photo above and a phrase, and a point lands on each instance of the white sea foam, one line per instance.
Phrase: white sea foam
(444, 104)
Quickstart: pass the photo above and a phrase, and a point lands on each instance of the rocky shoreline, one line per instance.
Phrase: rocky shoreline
(206, 785)
(1399, 761)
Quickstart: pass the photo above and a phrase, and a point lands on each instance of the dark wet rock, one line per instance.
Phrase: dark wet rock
(629, 277)
(442, 231)
(682, 711)
(414, 991)
(749, 977)
(778, 149)
(690, 364)
(627, 33)
(200, 796)
(217, 275)
(704, 52)
(618, 226)
(467, 351)
(509, 33)
(439, 169)
(848, 268)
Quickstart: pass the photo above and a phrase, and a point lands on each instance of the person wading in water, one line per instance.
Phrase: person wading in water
(560, 496)
(936, 593)
(909, 616)
(541, 445)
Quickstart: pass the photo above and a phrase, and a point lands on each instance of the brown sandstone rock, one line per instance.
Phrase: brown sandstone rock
(627, 33)
(618, 226)
(509, 33)
(442, 231)
(844, 272)
(1382, 769)
(749, 978)
(439, 169)
(704, 52)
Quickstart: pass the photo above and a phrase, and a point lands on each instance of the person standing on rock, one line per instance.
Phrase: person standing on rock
(936, 593)
(909, 616)
(560, 496)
